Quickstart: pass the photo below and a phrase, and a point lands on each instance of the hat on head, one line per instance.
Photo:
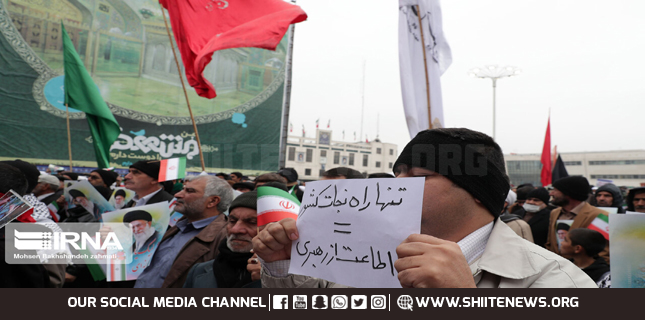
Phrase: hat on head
(119, 192)
(72, 175)
(137, 215)
(576, 187)
(562, 226)
(276, 184)
(244, 185)
(151, 168)
(76, 193)
(539, 193)
(290, 174)
(48, 178)
(523, 192)
(454, 153)
(109, 177)
(30, 171)
(246, 200)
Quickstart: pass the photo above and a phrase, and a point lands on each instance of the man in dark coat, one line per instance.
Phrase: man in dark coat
(195, 237)
(229, 268)
(143, 179)
(537, 214)
(636, 200)
(609, 195)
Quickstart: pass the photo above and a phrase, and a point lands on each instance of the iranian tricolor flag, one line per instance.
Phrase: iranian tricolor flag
(601, 224)
(275, 204)
(172, 169)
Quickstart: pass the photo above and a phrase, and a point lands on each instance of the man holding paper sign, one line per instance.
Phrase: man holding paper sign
(461, 243)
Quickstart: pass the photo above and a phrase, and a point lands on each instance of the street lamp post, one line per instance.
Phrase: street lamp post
(494, 72)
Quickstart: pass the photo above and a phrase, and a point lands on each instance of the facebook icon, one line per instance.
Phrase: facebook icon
(280, 302)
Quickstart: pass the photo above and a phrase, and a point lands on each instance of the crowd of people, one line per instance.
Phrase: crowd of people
(476, 231)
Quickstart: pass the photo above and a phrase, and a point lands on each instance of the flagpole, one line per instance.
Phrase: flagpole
(425, 66)
(181, 79)
(69, 139)
(282, 158)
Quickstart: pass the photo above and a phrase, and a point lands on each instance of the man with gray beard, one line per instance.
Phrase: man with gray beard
(195, 238)
(229, 268)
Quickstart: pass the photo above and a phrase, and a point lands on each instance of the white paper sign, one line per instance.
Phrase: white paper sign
(609, 209)
(349, 229)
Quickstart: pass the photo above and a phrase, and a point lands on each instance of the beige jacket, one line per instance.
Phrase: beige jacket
(521, 228)
(507, 262)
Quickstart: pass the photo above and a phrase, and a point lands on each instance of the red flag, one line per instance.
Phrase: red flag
(546, 156)
(202, 27)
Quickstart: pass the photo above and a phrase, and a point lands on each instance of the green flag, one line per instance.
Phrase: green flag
(82, 94)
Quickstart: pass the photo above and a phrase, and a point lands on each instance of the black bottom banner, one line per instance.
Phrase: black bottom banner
(280, 303)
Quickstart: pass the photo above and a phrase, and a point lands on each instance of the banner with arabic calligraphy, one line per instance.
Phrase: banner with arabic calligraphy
(125, 48)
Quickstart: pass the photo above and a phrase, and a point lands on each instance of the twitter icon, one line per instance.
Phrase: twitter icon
(359, 302)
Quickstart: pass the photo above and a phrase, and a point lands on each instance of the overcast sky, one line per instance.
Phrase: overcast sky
(585, 60)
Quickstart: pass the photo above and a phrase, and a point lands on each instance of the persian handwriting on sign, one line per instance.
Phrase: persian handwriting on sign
(303, 250)
(328, 200)
(176, 145)
(349, 229)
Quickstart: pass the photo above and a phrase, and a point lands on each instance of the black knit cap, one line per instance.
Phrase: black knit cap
(244, 185)
(539, 193)
(289, 173)
(151, 168)
(137, 215)
(30, 171)
(576, 187)
(246, 200)
(523, 192)
(109, 177)
(454, 153)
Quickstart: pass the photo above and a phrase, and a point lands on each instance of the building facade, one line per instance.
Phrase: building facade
(622, 168)
(313, 156)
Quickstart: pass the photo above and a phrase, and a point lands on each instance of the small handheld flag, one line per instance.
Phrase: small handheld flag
(275, 204)
(172, 169)
(601, 224)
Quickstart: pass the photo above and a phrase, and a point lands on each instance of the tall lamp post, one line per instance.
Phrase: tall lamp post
(494, 72)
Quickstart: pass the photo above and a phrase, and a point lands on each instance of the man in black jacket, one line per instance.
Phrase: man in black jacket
(537, 214)
(143, 180)
(18, 275)
(609, 195)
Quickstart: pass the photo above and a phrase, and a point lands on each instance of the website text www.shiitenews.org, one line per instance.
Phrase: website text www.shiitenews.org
(324, 301)
(405, 302)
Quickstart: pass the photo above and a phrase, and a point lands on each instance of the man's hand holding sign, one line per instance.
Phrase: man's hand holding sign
(345, 231)
(429, 262)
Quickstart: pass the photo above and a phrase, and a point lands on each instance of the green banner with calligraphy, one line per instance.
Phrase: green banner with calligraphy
(125, 47)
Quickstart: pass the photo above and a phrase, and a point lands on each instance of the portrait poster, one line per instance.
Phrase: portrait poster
(146, 238)
(11, 207)
(562, 232)
(82, 193)
(627, 247)
(120, 197)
